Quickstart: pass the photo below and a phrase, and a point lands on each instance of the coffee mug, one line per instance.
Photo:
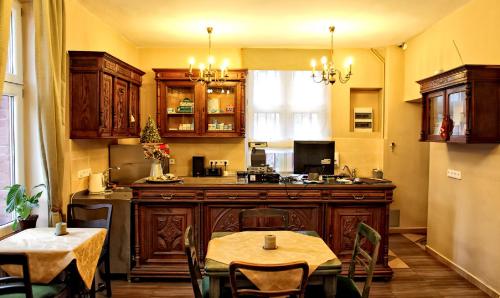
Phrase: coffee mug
(61, 229)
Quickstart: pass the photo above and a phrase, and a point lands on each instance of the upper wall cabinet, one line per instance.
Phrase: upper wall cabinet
(189, 109)
(462, 105)
(104, 95)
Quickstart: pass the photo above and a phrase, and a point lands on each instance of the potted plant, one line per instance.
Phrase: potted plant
(21, 203)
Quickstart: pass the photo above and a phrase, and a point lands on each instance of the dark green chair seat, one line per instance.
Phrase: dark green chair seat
(41, 291)
(16, 286)
(346, 288)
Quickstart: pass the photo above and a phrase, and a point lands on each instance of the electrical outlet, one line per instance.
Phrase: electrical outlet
(171, 161)
(455, 174)
(218, 162)
(84, 173)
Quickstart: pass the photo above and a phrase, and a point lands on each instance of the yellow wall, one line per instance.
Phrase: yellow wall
(407, 164)
(86, 32)
(463, 216)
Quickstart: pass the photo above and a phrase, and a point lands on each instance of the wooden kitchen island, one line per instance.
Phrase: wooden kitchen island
(161, 213)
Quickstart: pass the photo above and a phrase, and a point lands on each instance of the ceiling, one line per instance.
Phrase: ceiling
(270, 23)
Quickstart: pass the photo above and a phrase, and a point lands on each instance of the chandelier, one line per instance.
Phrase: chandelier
(207, 73)
(329, 72)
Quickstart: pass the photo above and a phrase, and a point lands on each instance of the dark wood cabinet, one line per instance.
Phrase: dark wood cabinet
(190, 109)
(159, 248)
(467, 100)
(333, 211)
(104, 96)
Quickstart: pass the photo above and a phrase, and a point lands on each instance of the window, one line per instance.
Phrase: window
(284, 106)
(10, 117)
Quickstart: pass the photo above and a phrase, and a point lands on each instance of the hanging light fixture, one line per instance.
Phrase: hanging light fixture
(207, 73)
(328, 74)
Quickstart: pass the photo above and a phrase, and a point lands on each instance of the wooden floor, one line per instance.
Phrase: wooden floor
(426, 277)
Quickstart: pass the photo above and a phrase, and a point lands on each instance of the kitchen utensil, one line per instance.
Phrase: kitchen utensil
(96, 183)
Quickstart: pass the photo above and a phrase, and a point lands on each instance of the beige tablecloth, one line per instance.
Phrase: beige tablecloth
(292, 247)
(49, 254)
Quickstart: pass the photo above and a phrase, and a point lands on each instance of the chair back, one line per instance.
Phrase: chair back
(238, 292)
(193, 262)
(263, 219)
(362, 257)
(16, 284)
(91, 216)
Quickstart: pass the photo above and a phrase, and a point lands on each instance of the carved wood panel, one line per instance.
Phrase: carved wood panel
(105, 114)
(162, 229)
(86, 101)
(120, 108)
(134, 116)
(345, 223)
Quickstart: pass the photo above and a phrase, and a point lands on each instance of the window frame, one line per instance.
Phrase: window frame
(16, 37)
(13, 88)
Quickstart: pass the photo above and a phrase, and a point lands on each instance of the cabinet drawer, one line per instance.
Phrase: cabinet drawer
(235, 194)
(171, 194)
(358, 195)
(294, 194)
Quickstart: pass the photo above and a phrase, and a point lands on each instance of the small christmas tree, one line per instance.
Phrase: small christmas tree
(150, 133)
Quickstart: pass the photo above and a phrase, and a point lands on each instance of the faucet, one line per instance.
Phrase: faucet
(352, 173)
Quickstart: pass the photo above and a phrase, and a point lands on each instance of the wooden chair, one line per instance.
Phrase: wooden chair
(239, 292)
(271, 215)
(94, 216)
(16, 286)
(346, 288)
(200, 284)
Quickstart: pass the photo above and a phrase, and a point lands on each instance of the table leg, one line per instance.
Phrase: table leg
(330, 286)
(214, 291)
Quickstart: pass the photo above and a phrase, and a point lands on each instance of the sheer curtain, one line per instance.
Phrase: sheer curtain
(284, 106)
(50, 66)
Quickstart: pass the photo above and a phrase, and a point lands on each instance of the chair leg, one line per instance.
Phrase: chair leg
(107, 275)
(92, 288)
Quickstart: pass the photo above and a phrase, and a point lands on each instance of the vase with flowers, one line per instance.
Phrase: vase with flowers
(153, 148)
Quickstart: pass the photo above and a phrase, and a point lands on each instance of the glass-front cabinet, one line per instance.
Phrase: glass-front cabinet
(462, 105)
(221, 106)
(194, 109)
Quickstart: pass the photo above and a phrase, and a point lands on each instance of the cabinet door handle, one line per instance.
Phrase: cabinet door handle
(358, 197)
(167, 196)
(233, 197)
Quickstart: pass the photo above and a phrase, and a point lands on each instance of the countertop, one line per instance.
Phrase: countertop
(230, 182)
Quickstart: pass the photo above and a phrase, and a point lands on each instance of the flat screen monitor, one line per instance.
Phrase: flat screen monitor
(313, 157)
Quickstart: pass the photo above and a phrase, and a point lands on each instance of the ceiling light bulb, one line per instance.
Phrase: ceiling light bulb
(211, 60)
(202, 66)
(323, 60)
(348, 62)
(313, 63)
(191, 61)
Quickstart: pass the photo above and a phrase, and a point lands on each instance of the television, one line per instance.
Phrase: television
(313, 157)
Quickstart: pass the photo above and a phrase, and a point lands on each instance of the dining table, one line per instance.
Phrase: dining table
(292, 246)
(50, 254)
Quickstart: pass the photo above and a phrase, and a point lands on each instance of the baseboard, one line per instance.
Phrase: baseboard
(464, 273)
(407, 230)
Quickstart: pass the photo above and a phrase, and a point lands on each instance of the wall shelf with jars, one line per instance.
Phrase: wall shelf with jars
(199, 109)
(462, 105)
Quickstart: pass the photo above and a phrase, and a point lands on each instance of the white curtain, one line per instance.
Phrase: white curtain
(284, 106)
(5, 11)
(287, 105)
(50, 62)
